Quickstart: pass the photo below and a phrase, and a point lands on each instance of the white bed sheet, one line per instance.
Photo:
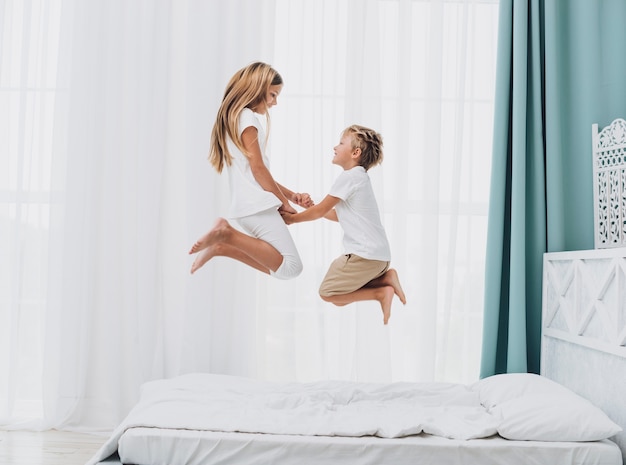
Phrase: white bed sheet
(185, 447)
(209, 402)
(217, 419)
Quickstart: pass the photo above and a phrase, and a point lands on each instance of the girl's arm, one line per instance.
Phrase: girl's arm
(324, 209)
(249, 137)
(302, 199)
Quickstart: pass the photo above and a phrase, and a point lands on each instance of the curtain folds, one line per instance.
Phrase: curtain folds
(556, 68)
(516, 235)
(107, 108)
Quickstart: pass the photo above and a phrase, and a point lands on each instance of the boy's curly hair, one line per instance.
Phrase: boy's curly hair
(369, 141)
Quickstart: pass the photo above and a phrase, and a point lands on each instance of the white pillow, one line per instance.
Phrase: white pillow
(534, 408)
(500, 388)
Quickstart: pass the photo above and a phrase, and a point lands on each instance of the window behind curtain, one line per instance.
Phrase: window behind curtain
(29, 41)
(419, 71)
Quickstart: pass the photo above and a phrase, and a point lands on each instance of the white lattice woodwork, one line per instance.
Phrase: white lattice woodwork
(584, 298)
(583, 345)
(609, 184)
(584, 327)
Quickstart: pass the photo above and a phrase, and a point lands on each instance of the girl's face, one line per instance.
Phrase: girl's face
(345, 155)
(271, 99)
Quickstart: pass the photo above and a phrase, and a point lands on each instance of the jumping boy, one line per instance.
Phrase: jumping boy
(362, 272)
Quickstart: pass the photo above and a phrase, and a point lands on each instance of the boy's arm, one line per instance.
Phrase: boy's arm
(331, 215)
(324, 209)
(301, 199)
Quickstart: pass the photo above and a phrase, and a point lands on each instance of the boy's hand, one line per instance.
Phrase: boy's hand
(287, 217)
(303, 200)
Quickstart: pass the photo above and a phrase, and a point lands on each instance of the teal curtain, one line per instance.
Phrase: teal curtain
(561, 67)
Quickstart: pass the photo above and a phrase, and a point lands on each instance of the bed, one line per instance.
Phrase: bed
(563, 416)
(201, 418)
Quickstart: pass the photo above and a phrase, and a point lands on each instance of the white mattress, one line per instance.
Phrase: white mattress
(217, 419)
(186, 447)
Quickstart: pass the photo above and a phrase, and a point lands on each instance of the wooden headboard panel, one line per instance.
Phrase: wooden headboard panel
(584, 328)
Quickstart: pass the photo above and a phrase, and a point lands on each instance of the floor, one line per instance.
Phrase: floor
(48, 447)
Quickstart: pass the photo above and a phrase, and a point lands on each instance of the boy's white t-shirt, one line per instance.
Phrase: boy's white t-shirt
(359, 217)
(247, 195)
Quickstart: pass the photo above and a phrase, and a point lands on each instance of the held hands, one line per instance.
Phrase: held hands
(302, 200)
(286, 209)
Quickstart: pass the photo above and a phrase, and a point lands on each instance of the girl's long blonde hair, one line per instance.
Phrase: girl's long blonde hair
(246, 89)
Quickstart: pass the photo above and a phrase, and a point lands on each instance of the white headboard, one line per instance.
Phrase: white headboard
(584, 327)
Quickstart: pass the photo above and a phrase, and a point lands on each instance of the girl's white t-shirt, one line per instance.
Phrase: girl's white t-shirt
(359, 217)
(247, 195)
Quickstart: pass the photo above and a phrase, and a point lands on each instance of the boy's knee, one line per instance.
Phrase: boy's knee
(324, 292)
(327, 292)
(325, 298)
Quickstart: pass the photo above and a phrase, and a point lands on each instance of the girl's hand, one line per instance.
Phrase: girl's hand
(303, 200)
(286, 208)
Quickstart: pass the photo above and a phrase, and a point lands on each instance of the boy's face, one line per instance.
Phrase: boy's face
(345, 155)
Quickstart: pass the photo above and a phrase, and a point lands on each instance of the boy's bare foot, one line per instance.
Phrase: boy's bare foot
(385, 300)
(391, 276)
(210, 237)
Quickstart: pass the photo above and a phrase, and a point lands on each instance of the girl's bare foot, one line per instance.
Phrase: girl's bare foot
(391, 276)
(210, 237)
(206, 255)
(385, 299)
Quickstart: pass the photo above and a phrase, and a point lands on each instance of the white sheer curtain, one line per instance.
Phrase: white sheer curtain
(105, 114)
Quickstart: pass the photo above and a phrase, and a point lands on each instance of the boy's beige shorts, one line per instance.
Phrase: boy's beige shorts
(350, 272)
